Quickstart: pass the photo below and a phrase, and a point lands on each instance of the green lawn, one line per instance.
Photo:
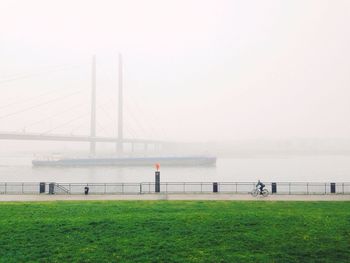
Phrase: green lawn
(175, 231)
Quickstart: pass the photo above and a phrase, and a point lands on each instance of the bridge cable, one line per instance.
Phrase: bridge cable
(150, 114)
(66, 123)
(109, 117)
(150, 129)
(81, 125)
(130, 131)
(54, 115)
(41, 104)
(101, 127)
(130, 113)
(31, 98)
(26, 76)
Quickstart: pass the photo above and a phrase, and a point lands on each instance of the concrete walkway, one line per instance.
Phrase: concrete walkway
(246, 197)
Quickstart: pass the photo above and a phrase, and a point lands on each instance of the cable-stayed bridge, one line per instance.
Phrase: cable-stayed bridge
(120, 141)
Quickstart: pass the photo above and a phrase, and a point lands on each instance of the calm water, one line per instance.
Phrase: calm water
(18, 168)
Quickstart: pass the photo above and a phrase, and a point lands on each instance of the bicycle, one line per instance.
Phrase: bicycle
(256, 192)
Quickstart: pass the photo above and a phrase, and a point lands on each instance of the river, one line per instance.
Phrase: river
(326, 168)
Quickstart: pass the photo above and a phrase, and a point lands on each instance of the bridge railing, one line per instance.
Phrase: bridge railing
(281, 188)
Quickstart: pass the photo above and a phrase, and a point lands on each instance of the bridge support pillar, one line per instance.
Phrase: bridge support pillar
(119, 148)
(92, 148)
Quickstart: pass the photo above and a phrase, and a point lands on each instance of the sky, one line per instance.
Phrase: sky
(193, 70)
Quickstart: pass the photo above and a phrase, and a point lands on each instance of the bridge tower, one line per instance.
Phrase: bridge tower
(93, 106)
(119, 146)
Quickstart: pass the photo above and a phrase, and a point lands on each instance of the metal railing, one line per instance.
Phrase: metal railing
(286, 188)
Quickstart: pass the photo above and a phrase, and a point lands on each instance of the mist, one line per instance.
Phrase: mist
(193, 70)
(214, 108)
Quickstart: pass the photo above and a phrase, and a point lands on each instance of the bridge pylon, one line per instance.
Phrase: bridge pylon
(93, 106)
(119, 146)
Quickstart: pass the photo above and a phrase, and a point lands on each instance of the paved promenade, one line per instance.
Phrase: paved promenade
(246, 197)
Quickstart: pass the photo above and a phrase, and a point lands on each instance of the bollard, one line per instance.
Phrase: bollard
(51, 188)
(157, 182)
(333, 188)
(42, 188)
(215, 187)
(274, 188)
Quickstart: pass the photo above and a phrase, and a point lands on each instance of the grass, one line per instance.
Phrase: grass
(175, 231)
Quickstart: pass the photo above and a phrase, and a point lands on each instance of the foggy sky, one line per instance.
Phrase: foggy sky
(193, 70)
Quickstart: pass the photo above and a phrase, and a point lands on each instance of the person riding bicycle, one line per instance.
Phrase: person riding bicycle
(260, 186)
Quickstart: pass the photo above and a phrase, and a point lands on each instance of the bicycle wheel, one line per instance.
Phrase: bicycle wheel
(265, 193)
(255, 192)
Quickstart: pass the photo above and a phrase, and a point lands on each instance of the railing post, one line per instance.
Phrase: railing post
(215, 187)
(140, 188)
(333, 188)
(22, 188)
(236, 188)
(123, 188)
(6, 188)
(307, 188)
(274, 188)
(201, 187)
(325, 188)
(105, 188)
(289, 189)
(184, 188)
(166, 187)
(342, 188)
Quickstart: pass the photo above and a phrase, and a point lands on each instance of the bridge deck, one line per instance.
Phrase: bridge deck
(75, 138)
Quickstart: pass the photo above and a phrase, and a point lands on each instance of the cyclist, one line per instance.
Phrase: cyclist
(260, 186)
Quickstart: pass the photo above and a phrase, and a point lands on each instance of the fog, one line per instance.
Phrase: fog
(194, 71)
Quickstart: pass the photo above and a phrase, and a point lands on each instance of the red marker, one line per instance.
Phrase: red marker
(157, 166)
